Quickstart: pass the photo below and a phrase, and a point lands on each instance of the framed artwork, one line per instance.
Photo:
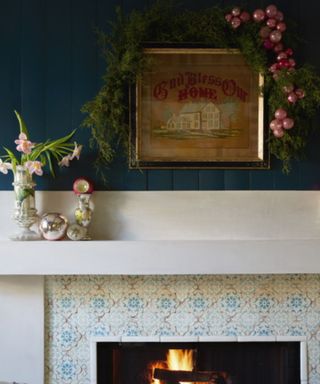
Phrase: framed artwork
(197, 108)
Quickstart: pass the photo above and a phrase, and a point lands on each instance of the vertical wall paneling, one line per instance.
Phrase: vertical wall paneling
(237, 179)
(10, 98)
(211, 179)
(59, 76)
(185, 180)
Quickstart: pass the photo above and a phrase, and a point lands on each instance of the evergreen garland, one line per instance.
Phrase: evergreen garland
(166, 22)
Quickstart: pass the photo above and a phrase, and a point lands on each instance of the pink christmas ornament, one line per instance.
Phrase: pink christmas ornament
(279, 16)
(288, 88)
(292, 63)
(258, 15)
(236, 11)
(280, 114)
(272, 23)
(278, 48)
(281, 56)
(283, 64)
(288, 123)
(271, 11)
(278, 133)
(289, 52)
(245, 16)
(273, 68)
(265, 32)
(228, 17)
(268, 44)
(292, 97)
(281, 26)
(275, 36)
(235, 22)
(300, 93)
(275, 124)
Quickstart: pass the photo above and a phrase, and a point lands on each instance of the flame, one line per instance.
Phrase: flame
(177, 360)
(180, 359)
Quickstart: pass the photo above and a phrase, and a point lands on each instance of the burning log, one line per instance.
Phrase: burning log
(175, 377)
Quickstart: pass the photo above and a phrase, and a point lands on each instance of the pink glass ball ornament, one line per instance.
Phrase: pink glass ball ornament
(282, 55)
(280, 114)
(245, 17)
(300, 93)
(278, 133)
(283, 64)
(268, 44)
(275, 124)
(271, 11)
(235, 22)
(273, 68)
(275, 36)
(288, 123)
(278, 48)
(228, 17)
(272, 23)
(281, 26)
(279, 16)
(236, 11)
(258, 15)
(265, 32)
(292, 98)
(288, 88)
(289, 51)
(292, 63)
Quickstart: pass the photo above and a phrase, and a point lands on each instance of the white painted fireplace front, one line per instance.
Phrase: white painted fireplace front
(152, 233)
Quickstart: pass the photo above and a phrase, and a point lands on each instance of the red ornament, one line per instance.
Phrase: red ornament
(245, 16)
(288, 123)
(272, 23)
(278, 48)
(258, 15)
(82, 186)
(274, 67)
(228, 17)
(235, 22)
(265, 32)
(292, 98)
(268, 44)
(271, 11)
(275, 124)
(292, 63)
(300, 93)
(236, 11)
(279, 16)
(278, 133)
(275, 36)
(281, 26)
(280, 114)
(281, 56)
(289, 52)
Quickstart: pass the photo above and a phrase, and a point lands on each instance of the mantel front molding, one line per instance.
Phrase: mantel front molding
(160, 257)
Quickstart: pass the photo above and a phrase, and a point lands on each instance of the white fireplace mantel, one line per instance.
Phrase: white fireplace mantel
(217, 232)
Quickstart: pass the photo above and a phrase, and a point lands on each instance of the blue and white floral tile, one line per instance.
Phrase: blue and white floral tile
(79, 307)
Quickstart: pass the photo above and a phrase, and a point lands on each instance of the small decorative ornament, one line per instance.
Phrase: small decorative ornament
(76, 232)
(53, 226)
(83, 213)
(258, 15)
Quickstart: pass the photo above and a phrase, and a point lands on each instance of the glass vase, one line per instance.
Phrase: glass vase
(25, 213)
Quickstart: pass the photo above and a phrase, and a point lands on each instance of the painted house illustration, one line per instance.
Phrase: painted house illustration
(196, 116)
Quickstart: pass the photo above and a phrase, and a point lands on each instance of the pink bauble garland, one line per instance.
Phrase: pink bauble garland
(271, 34)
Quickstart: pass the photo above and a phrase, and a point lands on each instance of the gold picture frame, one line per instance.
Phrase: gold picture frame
(197, 107)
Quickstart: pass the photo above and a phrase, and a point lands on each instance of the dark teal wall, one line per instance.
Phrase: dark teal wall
(50, 66)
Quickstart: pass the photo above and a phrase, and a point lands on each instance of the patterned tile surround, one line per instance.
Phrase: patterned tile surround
(79, 307)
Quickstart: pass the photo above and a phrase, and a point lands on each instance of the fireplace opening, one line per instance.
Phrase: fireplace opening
(198, 362)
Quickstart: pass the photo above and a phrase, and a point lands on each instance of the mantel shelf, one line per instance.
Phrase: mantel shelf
(161, 257)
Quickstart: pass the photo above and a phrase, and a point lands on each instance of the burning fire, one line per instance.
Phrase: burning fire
(177, 360)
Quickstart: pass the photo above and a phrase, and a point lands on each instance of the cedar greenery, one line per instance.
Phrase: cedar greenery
(167, 22)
